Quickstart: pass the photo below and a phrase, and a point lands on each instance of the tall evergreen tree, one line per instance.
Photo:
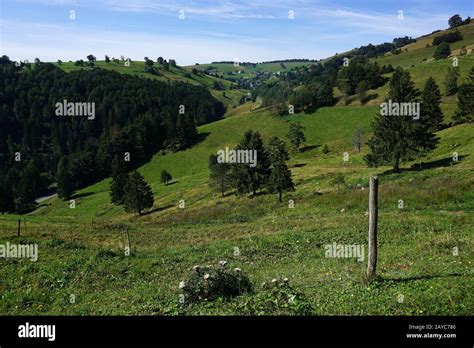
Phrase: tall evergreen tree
(451, 81)
(137, 194)
(465, 109)
(219, 174)
(430, 110)
(119, 179)
(27, 188)
(246, 178)
(399, 138)
(280, 176)
(65, 184)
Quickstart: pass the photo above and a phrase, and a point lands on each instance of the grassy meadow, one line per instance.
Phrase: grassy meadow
(426, 248)
(81, 249)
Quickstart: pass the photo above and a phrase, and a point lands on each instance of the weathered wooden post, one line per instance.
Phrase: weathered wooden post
(373, 197)
(19, 227)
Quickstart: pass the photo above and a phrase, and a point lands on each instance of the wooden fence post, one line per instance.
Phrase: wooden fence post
(373, 211)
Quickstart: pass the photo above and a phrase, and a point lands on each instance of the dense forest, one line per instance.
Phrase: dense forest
(134, 118)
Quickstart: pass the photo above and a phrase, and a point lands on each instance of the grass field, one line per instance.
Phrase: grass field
(81, 249)
(426, 248)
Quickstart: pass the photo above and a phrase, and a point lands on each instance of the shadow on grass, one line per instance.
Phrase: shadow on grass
(299, 165)
(81, 195)
(157, 209)
(444, 162)
(421, 277)
(369, 98)
(309, 148)
(441, 163)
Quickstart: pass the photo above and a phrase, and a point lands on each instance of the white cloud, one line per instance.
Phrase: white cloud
(51, 43)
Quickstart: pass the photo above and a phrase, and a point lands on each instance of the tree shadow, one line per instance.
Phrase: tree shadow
(299, 165)
(444, 162)
(200, 137)
(369, 98)
(309, 148)
(422, 277)
(441, 163)
(157, 210)
(82, 195)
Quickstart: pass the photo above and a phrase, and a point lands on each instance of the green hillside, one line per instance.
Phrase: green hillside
(230, 97)
(418, 59)
(415, 53)
(275, 241)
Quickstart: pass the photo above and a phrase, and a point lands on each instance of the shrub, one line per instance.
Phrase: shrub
(442, 51)
(325, 149)
(152, 70)
(448, 37)
(338, 180)
(277, 298)
(165, 177)
(211, 282)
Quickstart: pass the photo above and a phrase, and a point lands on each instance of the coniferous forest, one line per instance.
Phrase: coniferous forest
(134, 117)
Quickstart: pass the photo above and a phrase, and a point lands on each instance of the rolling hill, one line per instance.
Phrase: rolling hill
(81, 248)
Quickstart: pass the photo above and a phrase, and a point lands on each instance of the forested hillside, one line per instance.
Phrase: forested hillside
(132, 116)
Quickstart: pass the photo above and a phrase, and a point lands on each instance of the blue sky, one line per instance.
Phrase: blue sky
(211, 29)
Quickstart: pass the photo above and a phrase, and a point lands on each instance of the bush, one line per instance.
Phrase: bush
(165, 177)
(211, 282)
(338, 180)
(152, 70)
(277, 298)
(448, 37)
(442, 51)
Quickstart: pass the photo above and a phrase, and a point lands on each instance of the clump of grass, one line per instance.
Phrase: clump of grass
(277, 297)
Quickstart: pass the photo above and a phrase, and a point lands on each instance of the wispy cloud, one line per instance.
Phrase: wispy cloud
(253, 30)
